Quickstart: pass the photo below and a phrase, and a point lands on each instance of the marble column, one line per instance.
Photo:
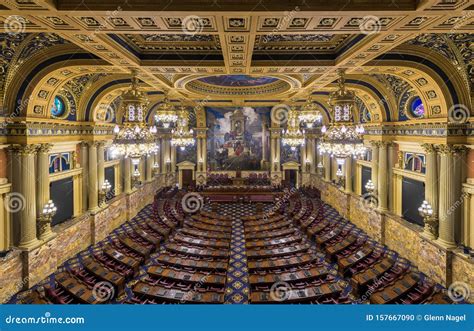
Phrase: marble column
(348, 174)
(27, 197)
(447, 197)
(431, 182)
(164, 154)
(93, 180)
(382, 177)
(375, 165)
(127, 175)
(100, 164)
(85, 174)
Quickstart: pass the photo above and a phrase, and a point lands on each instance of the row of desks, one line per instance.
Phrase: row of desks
(177, 296)
(186, 277)
(298, 295)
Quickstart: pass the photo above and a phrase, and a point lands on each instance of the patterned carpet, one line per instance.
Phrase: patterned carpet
(237, 286)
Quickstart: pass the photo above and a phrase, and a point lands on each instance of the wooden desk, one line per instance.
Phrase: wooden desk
(283, 262)
(270, 234)
(177, 296)
(262, 220)
(173, 261)
(299, 295)
(363, 279)
(282, 251)
(76, 289)
(395, 291)
(347, 262)
(289, 277)
(205, 227)
(269, 227)
(187, 277)
(220, 254)
(340, 246)
(104, 274)
(274, 242)
(206, 234)
(135, 247)
(122, 258)
(219, 244)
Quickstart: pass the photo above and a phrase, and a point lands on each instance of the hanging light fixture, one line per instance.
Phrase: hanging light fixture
(182, 136)
(134, 138)
(165, 113)
(293, 136)
(343, 138)
(310, 113)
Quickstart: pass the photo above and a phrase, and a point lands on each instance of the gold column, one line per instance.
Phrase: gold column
(382, 177)
(28, 238)
(431, 180)
(5, 221)
(127, 175)
(447, 198)
(391, 165)
(100, 164)
(93, 180)
(85, 174)
(149, 167)
(327, 167)
(348, 174)
(375, 165)
(42, 185)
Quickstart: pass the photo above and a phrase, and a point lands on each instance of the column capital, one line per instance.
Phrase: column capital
(93, 144)
(23, 149)
(429, 148)
(44, 148)
(84, 143)
(452, 149)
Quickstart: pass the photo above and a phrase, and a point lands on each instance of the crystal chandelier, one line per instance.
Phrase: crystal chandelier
(182, 136)
(165, 113)
(343, 138)
(134, 138)
(310, 113)
(293, 136)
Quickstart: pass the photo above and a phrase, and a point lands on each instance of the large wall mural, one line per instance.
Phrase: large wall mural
(235, 137)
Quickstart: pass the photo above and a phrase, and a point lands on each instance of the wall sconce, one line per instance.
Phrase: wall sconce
(45, 218)
(431, 223)
(103, 192)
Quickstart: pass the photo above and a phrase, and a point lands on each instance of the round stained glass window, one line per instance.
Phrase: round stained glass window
(59, 107)
(416, 107)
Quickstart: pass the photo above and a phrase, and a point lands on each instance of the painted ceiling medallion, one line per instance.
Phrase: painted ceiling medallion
(237, 80)
(238, 85)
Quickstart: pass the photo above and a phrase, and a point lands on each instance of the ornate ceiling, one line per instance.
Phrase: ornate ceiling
(298, 45)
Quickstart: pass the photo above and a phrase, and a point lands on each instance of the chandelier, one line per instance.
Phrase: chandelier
(293, 136)
(343, 138)
(165, 113)
(182, 136)
(134, 138)
(310, 113)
